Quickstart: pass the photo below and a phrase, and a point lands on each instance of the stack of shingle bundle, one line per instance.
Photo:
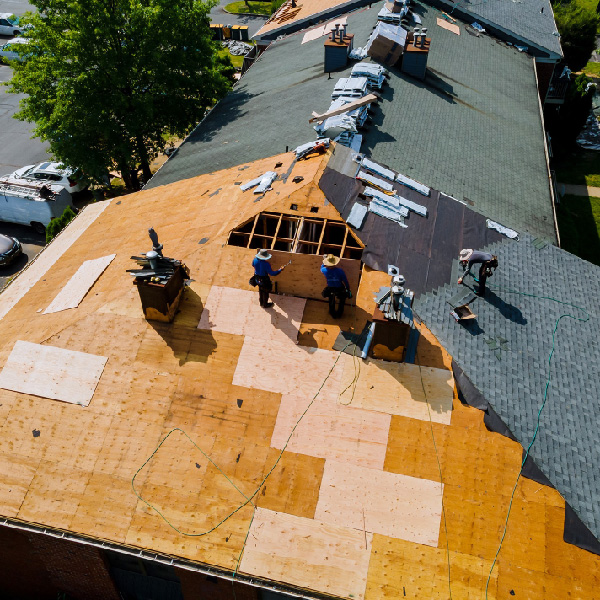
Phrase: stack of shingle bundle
(350, 87)
(374, 73)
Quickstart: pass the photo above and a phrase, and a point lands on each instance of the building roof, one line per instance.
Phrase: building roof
(529, 21)
(473, 133)
(505, 355)
(351, 507)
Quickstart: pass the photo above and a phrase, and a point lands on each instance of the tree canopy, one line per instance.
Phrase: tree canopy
(577, 28)
(108, 81)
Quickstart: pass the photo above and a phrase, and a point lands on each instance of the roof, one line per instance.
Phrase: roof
(424, 249)
(529, 21)
(350, 507)
(306, 14)
(505, 355)
(474, 134)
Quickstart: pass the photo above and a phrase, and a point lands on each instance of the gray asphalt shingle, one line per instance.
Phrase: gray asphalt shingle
(472, 129)
(567, 448)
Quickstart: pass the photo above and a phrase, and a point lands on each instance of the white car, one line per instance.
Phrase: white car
(9, 24)
(8, 51)
(51, 172)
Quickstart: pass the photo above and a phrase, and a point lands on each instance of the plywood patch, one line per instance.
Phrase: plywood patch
(394, 505)
(401, 569)
(79, 285)
(16, 473)
(237, 311)
(398, 389)
(449, 26)
(287, 369)
(46, 259)
(329, 430)
(321, 557)
(52, 372)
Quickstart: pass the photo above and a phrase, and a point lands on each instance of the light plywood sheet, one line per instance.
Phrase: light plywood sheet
(324, 558)
(399, 389)
(286, 368)
(449, 26)
(380, 502)
(52, 372)
(329, 430)
(238, 312)
(79, 285)
(46, 259)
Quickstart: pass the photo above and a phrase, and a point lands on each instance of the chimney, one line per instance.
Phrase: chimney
(414, 61)
(336, 49)
(160, 282)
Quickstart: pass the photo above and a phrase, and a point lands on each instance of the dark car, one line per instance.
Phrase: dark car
(10, 248)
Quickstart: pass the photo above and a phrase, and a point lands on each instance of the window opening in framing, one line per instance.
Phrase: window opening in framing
(302, 235)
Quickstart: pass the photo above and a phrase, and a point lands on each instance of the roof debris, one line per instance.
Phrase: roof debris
(262, 183)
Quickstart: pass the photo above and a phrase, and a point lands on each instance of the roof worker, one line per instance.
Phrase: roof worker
(488, 262)
(338, 288)
(261, 278)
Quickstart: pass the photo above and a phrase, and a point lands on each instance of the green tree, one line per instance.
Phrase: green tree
(108, 81)
(577, 27)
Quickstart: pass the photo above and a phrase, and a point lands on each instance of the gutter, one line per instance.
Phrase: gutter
(547, 155)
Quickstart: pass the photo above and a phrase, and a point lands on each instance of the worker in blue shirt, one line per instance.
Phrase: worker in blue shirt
(262, 272)
(338, 288)
(468, 258)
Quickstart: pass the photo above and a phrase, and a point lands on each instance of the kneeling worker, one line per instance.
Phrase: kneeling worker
(488, 261)
(337, 288)
(262, 270)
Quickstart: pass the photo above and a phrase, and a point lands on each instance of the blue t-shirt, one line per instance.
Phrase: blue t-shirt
(262, 268)
(335, 277)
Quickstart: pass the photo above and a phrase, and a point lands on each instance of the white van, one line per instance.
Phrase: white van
(34, 204)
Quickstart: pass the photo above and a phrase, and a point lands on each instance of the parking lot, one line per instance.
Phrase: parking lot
(31, 243)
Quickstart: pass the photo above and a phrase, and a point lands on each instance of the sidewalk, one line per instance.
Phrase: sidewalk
(578, 190)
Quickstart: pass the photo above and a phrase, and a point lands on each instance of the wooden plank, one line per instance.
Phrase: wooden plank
(285, 368)
(235, 311)
(332, 431)
(379, 502)
(52, 372)
(399, 389)
(449, 26)
(309, 554)
(79, 285)
(368, 99)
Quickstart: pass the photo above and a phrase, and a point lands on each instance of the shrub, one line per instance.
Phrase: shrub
(59, 223)
(577, 27)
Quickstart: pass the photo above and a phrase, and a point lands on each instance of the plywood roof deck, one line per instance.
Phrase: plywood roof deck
(76, 475)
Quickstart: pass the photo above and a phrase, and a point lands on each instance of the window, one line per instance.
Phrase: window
(302, 235)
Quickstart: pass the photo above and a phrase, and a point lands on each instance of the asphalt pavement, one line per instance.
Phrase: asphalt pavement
(31, 242)
(218, 15)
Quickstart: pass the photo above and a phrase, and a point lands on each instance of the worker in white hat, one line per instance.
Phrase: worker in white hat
(338, 288)
(488, 262)
(261, 278)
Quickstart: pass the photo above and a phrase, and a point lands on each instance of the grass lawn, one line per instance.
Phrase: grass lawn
(582, 167)
(236, 61)
(253, 7)
(579, 226)
(592, 69)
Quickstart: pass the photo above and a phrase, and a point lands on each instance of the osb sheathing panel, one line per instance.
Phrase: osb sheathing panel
(306, 553)
(175, 375)
(329, 430)
(238, 312)
(380, 502)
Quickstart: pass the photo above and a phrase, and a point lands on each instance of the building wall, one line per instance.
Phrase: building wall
(544, 74)
(196, 586)
(39, 567)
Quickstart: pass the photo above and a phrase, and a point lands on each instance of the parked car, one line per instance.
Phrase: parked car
(51, 172)
(9, 24)
(10, 249)
(9, 50)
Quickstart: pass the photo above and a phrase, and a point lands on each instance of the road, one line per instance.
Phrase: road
(31, 242)
(218, 15)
